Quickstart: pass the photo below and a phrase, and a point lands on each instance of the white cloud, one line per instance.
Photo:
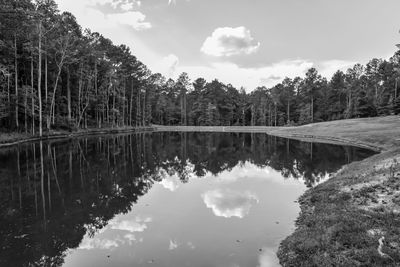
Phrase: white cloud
(136, 225)
(96, 243)
(230, 41)
(120, 29)
(173, 245)
(167, 66)
(171, 183)
(134, 19)
(329, 67)
(89, 16)
(268, 258)
(229, 203)
(248, 77)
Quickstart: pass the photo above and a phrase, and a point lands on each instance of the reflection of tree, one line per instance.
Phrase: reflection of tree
(85, 183)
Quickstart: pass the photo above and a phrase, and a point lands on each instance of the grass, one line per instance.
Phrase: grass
(353, 219)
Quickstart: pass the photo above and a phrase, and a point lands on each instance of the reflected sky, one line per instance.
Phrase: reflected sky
(157, 199)
(229, 219)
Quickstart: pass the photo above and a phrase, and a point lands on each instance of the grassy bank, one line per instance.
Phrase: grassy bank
(10, 139)
(353, 219)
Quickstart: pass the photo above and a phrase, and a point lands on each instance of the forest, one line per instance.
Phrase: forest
(54, 75)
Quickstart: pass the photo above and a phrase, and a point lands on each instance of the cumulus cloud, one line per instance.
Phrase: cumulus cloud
(136, 225)
(133, 19)
(248, 77)
(171, 183)
(128, 228)
(173, 245)
(167, 66)
(329, 67)
(268, 258)
(96, 243)
(229, 203)
(89, 16)
(230, 41)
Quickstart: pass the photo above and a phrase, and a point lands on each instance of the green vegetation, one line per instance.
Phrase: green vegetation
(54, 75)
(352, 219)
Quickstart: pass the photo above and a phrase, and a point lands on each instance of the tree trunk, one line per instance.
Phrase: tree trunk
(33, 99)
(131, 107)
(312, 109)
(40, 79)
(16, 80)
(45, 78)
(123, 105)
(69, 95)
(144, 110)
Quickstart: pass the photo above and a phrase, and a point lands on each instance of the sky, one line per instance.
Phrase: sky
(245, 43)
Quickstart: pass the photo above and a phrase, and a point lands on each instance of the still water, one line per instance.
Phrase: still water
(157, 199)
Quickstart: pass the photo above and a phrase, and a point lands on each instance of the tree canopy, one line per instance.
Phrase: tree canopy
(55, 75)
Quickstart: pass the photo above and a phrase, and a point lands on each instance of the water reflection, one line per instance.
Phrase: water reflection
(66, 202)
(228, 203)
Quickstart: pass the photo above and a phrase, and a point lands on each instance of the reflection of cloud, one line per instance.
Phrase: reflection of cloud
(191, 245)
(228, 203)
(171, 182)
(129, 228)
(268, 258)
(136, 225)
(251, 171)
(130, 237)
(173, 244)
(97, 243)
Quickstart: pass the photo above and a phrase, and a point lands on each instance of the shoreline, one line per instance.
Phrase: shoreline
(23, 138)
(353, 218)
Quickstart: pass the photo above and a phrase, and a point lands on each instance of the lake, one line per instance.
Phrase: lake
(157, 199)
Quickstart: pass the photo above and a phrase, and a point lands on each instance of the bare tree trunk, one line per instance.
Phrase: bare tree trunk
(16, 80)
(53, 100)
(144, 110)
(138, 109)
(131, 108)
(42, 182)
(45, 78)
(8, 88)
(69, 95)
(113, 109)
(288, 112)
(123, 105)
(40, 79)
(312, 109)
(33, 99)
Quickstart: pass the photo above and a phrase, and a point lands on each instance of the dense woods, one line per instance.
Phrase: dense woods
(55, 75)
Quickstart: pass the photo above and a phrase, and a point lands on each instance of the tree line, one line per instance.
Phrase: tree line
(54, 75)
